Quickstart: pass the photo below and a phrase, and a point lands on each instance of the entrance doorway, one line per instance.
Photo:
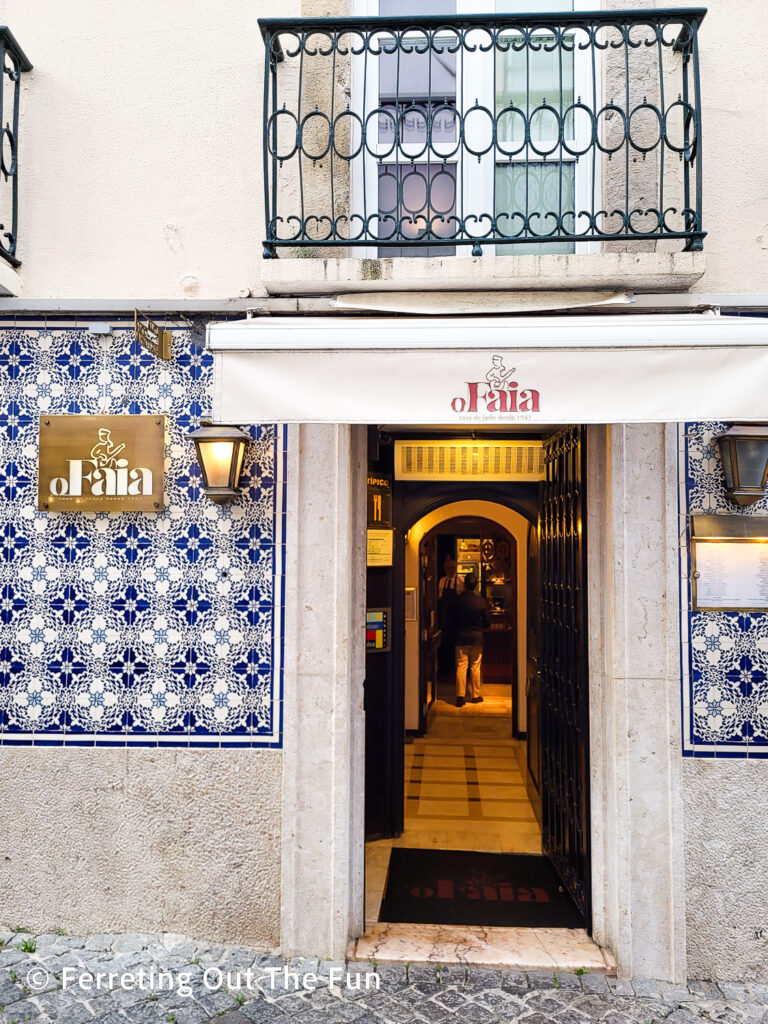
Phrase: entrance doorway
(451, 551)
(494, 789)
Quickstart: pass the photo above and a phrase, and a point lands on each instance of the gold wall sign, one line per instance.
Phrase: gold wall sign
(101, 463)
(151, 336)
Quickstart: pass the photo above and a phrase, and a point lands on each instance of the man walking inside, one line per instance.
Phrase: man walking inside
(470, 619)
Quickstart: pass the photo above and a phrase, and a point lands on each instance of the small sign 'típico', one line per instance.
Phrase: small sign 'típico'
(101, 463)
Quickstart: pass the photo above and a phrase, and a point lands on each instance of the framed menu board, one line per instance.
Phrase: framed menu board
(730, 575)
(380, 547)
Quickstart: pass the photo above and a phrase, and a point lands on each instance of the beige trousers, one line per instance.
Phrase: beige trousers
(468, 655)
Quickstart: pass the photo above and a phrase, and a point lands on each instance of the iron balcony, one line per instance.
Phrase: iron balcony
(538, 133)
(13, 61)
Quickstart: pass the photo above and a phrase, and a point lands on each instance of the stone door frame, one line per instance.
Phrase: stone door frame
(638, 882)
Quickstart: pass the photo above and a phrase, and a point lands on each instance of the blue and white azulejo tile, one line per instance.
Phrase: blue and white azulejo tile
(725, 675)
(126, 628)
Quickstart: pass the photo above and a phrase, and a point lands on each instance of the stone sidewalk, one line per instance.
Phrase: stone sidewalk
(149, 979)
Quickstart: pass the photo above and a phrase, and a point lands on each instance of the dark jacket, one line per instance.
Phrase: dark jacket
(470, 618)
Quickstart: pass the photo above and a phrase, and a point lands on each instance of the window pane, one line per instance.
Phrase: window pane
(413, 123)
(395, 8)
(414, 76)
(533, 6)
(419, 83)
(528, 189)
(411, 198)
(526, 79)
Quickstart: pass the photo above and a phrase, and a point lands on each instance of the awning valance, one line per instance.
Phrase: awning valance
(493, 371)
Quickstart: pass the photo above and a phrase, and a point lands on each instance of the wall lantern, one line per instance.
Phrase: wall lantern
(220, 452)
(744, 454)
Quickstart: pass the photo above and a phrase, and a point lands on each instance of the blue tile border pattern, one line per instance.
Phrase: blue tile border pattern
(122, 629)
(724, 654)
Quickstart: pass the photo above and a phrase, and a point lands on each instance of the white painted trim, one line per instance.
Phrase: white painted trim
(335, 334)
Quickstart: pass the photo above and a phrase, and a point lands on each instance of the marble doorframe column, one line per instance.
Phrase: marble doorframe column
(638, 878)
(323, 849)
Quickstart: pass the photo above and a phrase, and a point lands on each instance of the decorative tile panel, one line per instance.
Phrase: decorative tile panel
(135, 628)
(725, 654)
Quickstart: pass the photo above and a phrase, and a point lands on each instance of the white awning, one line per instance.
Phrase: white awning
(488, 370)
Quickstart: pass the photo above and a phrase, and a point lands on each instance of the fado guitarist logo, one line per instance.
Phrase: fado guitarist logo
(497, 393)
(105, 473)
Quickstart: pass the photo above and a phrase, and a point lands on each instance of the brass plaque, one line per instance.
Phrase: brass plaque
(151, 336)
(101, 463)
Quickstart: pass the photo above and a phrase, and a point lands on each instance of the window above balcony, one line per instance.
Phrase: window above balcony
(562, 133)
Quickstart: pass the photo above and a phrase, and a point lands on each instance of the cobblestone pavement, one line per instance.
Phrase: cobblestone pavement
(171, 978)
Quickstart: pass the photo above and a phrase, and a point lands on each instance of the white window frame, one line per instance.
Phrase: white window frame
(477, 82)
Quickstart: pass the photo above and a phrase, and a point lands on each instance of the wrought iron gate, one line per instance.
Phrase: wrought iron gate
(564, 666)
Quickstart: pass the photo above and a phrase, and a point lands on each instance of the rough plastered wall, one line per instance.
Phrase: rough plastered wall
(142, 840)
(632, 185)
(735, 203)
(726, 808)
(140, 146)
(140, 663)
(735, 193)
(326, 86)
(725, 747)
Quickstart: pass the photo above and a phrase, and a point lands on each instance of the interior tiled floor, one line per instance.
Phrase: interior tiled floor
(497, 703)
(464, 789)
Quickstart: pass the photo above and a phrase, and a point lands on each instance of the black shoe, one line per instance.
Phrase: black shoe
(475, 700)
(460, 702)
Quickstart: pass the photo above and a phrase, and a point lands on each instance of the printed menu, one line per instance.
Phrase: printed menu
(731, 575)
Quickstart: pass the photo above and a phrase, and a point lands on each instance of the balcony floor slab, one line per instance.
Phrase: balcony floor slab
(637, 272)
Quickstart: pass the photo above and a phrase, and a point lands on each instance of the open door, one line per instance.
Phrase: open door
(563, 666)
(533, 676)
(430, 635)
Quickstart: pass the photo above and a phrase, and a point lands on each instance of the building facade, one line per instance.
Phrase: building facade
(186, 740)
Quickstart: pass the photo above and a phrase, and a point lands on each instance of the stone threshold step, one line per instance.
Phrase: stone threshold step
(525, 949)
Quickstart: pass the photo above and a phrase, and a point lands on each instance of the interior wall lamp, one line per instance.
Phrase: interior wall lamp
(744, 455)
(220, 452)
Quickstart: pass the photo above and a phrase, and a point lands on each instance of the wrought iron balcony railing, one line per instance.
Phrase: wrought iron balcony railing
(536, 133)
(13, 61)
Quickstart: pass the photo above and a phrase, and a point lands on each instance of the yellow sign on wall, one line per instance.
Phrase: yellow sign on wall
(101, 463)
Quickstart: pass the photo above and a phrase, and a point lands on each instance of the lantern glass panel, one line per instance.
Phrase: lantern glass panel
(239, 463)
(725, 455)
(216, 457)
(751, 456)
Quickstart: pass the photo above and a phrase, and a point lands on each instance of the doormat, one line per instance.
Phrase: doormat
(504, 890)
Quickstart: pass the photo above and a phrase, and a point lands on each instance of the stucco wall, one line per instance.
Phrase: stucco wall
(141, 146)
(142, 840)
(726, 864)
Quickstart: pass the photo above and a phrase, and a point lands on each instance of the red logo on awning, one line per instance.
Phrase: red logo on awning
(498, 392)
